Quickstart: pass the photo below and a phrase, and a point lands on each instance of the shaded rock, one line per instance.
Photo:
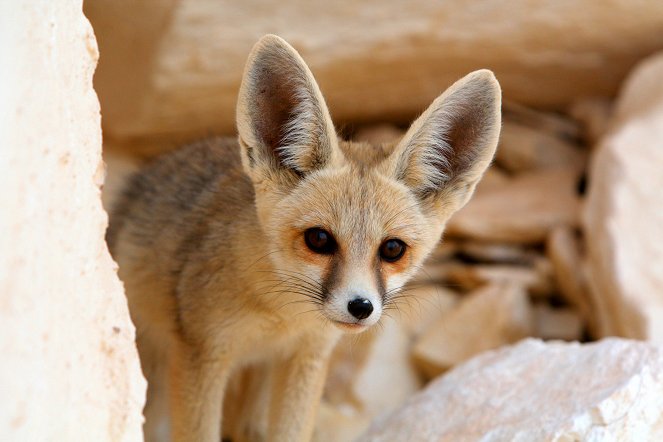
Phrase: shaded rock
(388, 377)
(339, 423)
(557, 323)
(423, 305)
(556, 124)
(533, 391)
(624, 212)
(444, 250)
(469, 277)
(501, 315)
(119, 168)
(502, 253)
(493, 178)
(379, 134)
(563, 249)
(523, 148)
(369, 375)
(523, 210)
(594, 116)
(172, 68)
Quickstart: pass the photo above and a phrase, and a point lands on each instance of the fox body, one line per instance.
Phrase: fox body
(266, 248)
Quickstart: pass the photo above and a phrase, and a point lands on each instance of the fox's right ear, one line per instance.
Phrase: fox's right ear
(285, 130)
(447, 149)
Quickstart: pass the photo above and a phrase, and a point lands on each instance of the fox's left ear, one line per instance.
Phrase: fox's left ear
(285, 130)
(447, 149)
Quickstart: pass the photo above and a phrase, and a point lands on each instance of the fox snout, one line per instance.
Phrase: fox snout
(355, 299)
(353, 312)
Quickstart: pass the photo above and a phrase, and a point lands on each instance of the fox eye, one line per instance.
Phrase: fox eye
(320, 241)
(392, 250)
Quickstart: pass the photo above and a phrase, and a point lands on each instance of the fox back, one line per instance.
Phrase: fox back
(251, 249)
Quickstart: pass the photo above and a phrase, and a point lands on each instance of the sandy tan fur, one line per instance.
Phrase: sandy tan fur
(209, 240)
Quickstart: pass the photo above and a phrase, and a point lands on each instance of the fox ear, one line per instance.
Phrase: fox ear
(448, 148)
(284, 126)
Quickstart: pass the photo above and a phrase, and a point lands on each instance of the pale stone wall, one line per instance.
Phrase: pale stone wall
(172, 68)
(68, 366)
(624, 211)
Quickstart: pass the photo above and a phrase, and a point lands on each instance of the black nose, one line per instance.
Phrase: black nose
(360, 308)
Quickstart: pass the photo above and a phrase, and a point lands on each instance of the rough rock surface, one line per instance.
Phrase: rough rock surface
(173, 67)
(523, 148)
(564, 252)
(69, 368)
(606, 391)
(517, 211)
(501, 314)
(624, 212)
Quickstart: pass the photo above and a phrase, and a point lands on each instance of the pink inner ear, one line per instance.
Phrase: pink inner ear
(274, 103)
(466, 138)
(470, 122)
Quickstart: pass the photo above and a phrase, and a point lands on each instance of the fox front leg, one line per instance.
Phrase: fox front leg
(197, 384)
(296, 391)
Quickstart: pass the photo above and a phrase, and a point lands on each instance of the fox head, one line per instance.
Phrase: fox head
(348, 223)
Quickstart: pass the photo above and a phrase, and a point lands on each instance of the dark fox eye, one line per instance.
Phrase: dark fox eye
(320, 241)
(392, 250)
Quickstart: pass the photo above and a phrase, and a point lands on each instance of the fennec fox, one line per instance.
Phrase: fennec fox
(267, 248)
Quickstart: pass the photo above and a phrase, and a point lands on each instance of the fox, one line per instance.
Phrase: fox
(264, 249)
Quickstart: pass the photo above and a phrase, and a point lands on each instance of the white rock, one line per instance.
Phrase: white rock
(496, 315)
(172, 68)
(606, 391)
(69, 368)
(624, 213)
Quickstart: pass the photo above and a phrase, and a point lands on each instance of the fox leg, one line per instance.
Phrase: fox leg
(296, 391)
(197, 383)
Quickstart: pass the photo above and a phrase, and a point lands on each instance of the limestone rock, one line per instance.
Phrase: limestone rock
(469, 277)
(536, 279)
(119, 168)
(557, 323)
(369, 375)
(493, 178)
(551, 123)
(563, 249)
(501, 315)
(379, 134)
(624, 212)
(388, 378)
(594, 115)
(339, 423)
(444, 250)
(523, 148)
(172, 68)
(69, 367)
(606, 391)
(523, 210)
(486, 252)
(422, 306)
